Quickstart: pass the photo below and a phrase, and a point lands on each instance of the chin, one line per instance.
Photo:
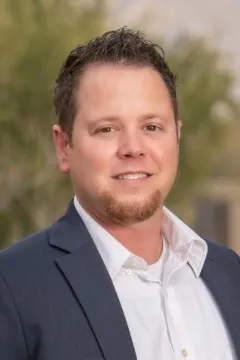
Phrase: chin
(131, 209)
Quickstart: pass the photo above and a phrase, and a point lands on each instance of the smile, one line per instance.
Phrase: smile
(134, 176)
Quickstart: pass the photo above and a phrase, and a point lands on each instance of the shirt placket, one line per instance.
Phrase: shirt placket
(178, 333)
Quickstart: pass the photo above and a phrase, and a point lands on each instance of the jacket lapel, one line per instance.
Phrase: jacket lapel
(87, 276)
(222, 278)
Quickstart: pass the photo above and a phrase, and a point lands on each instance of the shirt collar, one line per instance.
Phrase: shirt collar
(184, 241)
(180, 239)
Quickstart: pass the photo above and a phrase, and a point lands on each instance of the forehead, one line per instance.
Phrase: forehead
(120, 87)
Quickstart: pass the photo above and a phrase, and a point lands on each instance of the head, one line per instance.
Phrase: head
(118, 130)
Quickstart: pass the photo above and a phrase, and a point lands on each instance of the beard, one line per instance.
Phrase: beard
(130, 212)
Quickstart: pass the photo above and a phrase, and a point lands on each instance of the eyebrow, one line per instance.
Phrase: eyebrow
(142, 118)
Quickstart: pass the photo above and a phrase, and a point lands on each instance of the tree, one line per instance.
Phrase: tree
(35, 37)
(208, 109)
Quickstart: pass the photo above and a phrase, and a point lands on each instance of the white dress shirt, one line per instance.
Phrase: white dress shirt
(170, 312)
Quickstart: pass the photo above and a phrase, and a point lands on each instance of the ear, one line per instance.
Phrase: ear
(61, 142)
(179, 127)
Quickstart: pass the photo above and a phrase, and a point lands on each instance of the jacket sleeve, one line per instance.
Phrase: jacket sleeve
(12, 341)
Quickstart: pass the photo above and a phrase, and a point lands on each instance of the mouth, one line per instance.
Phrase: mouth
(132, 176)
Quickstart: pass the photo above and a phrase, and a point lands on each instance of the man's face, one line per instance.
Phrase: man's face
(124, 153)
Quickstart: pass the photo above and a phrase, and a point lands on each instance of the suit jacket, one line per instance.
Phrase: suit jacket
(57, 301)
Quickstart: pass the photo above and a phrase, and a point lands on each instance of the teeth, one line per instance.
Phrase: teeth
(131, 176)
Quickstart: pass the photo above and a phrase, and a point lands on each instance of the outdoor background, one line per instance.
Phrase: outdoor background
(200, 39)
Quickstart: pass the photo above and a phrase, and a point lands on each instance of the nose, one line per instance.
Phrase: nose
(130, 146)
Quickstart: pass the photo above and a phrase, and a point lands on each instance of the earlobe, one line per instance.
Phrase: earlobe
(61, 143)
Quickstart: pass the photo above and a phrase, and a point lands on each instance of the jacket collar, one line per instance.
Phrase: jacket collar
(91, 284)
(86, 274)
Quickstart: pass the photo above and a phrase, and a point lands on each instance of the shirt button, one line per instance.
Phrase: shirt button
(184, 353)
(128, 272)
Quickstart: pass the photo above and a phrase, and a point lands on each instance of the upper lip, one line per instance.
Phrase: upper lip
(133, 172)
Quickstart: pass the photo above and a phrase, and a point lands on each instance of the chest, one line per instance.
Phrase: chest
(178, 320)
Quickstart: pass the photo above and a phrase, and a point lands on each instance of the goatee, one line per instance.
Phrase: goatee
(129, 212)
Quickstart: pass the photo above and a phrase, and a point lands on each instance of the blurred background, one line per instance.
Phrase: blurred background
(201, 43)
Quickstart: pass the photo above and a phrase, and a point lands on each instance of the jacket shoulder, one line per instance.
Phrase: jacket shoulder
(32, 249)
(222, 252)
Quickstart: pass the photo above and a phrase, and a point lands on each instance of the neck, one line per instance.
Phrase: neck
(142, 239)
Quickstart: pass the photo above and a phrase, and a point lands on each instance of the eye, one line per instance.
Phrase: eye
(104, 130)
(152, 127)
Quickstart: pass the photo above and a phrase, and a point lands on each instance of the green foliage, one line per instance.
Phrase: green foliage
(207, 109)
(35, 37)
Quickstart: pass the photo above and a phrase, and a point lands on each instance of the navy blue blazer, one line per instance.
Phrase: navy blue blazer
(57, 301)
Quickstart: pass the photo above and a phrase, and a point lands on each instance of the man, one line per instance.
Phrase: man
(118, 277)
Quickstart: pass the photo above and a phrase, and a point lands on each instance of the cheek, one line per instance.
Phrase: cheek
(171, 156)
(166, 154)
(93, 159)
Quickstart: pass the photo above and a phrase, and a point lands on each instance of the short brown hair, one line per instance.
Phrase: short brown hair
(124, 46)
